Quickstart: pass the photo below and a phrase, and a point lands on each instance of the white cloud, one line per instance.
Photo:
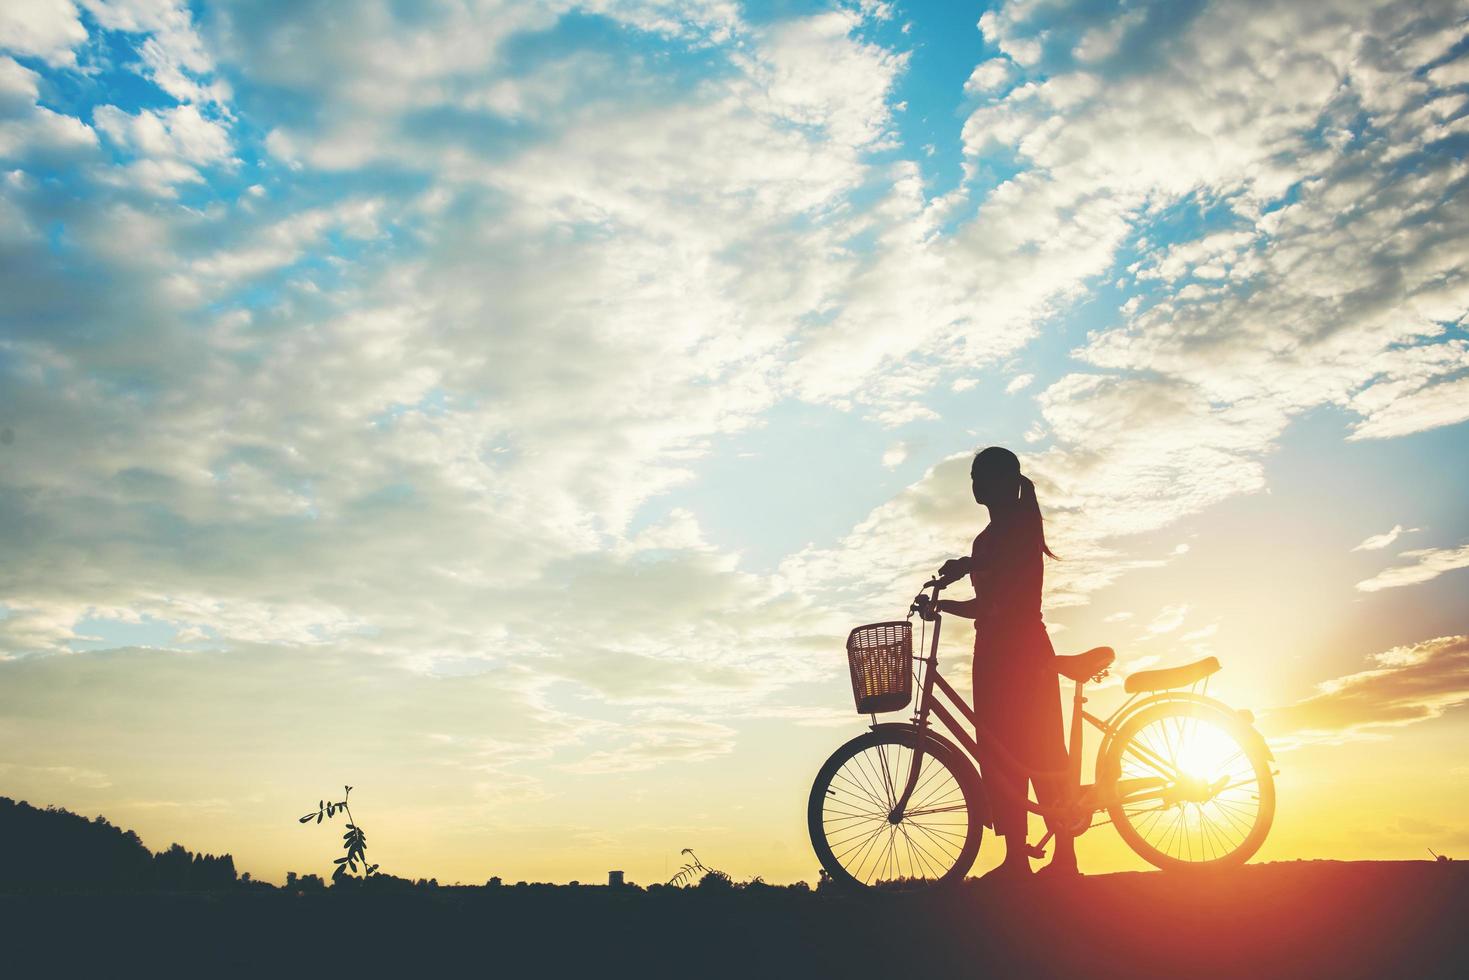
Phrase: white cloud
(281, 244)
(1406, 685)
(1102, 42)
(172, 145)
(1376, 542)
(44, 136)
(1018, 383)
(30, 132)
(895, 454)
(18, 85)
(1452, 74)
(988, 76)
(179, 131)
(1430, 407)
(45, 29)
(1168, 619)
(173, 56)
(1423, 565)
(814, 72)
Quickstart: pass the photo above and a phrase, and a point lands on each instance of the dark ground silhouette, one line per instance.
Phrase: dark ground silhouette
(52, 849)
(1288, 919)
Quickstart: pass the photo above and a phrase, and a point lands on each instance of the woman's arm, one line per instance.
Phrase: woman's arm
(966, 608)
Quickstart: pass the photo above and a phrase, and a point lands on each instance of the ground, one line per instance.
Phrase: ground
(1288, 919)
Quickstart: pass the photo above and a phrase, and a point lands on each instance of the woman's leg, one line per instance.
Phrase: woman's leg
(1054, 790)
(1006, 791)
(1006, 788)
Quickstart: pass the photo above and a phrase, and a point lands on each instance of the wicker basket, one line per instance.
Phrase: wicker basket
(881, 658)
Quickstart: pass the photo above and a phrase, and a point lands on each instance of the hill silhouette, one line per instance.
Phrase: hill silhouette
(51, 849)
(63, 877)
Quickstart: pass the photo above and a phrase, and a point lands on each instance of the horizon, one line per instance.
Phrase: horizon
(508, 409)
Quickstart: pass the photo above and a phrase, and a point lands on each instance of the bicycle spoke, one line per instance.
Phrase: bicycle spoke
(856, 774)
(933, 782)
(859, 799)
(1187, 820)
(932, 861)
(954, 808)
(863, 841)
(872, 780)
(872, 850)
(916, 855)
(946, 847)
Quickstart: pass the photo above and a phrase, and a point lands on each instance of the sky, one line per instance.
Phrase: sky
(508, 408)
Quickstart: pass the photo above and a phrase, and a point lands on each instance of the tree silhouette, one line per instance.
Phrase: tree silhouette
(53, 849)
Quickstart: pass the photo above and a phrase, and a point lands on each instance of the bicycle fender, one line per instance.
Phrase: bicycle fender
(1244, 717)
(982, 798)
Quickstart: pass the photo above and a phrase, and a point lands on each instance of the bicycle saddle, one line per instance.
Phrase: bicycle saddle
(1083, 666)
(1170, 677)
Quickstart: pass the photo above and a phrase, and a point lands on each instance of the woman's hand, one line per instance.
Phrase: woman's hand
(953, 570)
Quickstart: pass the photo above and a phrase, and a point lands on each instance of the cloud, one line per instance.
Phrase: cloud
(660, 737)
(1258, 321)
(1169, 619)
(1430, 407)
(1018, 383)
(423, 398)
(45, 29)
(284, 717)
(172, 55)
(32, 133)
(87, 778)
(1423, 565)
(172, 145)
(1376, 542)
(1407, 684)
(895, 454)
(988, 76)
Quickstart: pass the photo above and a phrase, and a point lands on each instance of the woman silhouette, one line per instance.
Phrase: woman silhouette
(1016, 694)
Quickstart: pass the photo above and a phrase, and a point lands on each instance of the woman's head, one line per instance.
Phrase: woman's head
(999, 485)
(995, 475)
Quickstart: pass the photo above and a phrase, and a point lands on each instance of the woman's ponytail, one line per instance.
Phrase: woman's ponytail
(1032, 509)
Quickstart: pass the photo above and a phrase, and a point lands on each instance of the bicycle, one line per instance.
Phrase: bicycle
(1185, 779)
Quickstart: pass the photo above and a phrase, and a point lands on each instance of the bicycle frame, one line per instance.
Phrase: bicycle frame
(989, 750)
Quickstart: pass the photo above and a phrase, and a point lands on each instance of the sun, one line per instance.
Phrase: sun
(1204, 751)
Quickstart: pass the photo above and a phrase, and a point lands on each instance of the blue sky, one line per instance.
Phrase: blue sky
(564, 380)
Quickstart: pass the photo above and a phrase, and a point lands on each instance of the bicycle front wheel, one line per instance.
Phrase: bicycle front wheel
(1195, 786)
(935, 840)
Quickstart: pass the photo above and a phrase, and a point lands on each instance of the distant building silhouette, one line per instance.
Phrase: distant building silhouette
(614, 879)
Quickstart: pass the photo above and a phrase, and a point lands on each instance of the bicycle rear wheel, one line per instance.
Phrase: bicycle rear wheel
(848, 815)
(1206, 795)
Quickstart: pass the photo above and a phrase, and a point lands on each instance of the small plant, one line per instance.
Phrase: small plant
(354, 841)
(695, 870)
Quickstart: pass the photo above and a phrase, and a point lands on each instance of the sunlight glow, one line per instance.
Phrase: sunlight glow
(1206, 752)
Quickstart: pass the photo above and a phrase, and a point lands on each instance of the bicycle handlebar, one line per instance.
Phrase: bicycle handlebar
(921, 600)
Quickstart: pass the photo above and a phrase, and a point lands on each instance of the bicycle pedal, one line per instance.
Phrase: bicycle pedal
(1035, 851)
